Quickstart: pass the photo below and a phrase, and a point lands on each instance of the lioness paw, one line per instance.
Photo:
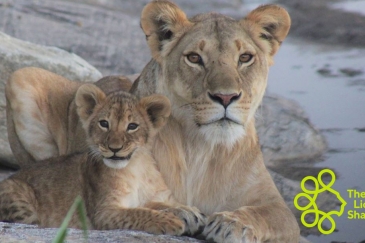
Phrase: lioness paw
(225, 227)
(166, 224)
(193, 218)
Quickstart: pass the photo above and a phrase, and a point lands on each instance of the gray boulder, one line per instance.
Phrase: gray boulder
(285, 132)
(15, 54)
(106, 33)
(110, 40)
(20, 233)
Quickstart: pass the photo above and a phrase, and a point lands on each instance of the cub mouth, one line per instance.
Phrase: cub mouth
(117, 162)
(128, 157)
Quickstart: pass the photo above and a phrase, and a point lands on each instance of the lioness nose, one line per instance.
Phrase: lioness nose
(224, 99)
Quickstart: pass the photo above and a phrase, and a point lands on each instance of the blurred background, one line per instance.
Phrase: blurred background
(320, 68)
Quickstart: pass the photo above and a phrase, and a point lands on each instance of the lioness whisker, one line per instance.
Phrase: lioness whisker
(188, 104)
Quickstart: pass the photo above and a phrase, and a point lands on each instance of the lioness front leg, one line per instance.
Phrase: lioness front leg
(143, 219)
(252, 224)
(194, 220)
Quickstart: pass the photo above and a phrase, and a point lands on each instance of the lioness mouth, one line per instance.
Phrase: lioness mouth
(223, 119)
(226, 119)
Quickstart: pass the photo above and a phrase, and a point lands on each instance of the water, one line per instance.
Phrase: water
(355, 6)
(329, 82)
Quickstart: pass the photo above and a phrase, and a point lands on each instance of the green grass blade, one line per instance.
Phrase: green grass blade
(82, 217)
(62, 231)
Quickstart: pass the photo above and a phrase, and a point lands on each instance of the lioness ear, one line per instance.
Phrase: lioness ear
(158, 108)
(162, 22)
(270, 23)
(87, 97)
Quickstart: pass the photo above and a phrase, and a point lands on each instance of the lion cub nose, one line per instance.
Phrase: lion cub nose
(115, 150)
(224, 99)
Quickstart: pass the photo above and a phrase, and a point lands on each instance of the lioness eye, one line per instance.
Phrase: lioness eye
(104, 124)
(195, 58)
(244, 58)
(132, 126)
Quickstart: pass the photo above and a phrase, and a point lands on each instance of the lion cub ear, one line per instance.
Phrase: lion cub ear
(163, 23)
(268, 23)
(87, 97)
(158, 108)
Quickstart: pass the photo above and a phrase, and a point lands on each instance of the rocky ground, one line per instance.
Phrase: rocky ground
(18, 233)
(107, 35)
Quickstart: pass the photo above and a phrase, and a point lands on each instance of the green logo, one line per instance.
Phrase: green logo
(312, 207)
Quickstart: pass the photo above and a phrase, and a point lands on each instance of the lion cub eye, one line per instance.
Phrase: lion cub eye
(245, 58)
(195, 58)
(104, 123)
(132, 126)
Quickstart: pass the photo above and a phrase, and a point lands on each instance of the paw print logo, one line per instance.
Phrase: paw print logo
(312, 208)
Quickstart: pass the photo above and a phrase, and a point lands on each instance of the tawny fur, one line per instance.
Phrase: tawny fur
(209, 155)
(132, 197)
(218, 165)
(41, 116)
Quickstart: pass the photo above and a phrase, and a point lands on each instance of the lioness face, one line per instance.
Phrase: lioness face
(118, 125)
(220, 80)
(214, 68)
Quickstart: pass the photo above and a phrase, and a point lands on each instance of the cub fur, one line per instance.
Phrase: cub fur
(42, 121)
(214, 71)
(117, 177)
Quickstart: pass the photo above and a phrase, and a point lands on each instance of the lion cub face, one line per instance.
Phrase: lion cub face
(118, 125)
(216, 67)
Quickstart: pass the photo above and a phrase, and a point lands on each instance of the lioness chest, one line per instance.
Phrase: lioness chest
(212, 179)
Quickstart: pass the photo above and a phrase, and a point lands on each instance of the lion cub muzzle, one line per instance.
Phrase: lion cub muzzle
(116, 161)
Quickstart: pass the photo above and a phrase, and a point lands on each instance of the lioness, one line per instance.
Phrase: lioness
(214, 71)
(117, 177)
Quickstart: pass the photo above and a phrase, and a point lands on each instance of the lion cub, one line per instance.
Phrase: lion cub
(117, 178)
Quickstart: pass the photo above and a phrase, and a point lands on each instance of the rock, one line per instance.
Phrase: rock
(15, 54)
(191, 7)
(285, 131)
(20, 233)
(106, 33)
(110, 40)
